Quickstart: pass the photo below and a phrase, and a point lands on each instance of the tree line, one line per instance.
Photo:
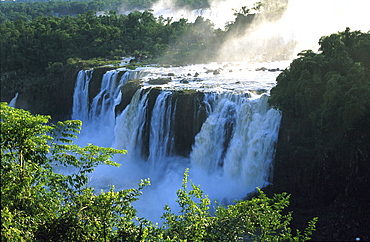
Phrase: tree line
(29, 10)
(32, 46)
(327, 94)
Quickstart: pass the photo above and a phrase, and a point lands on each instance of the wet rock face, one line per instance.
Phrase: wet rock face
(49, 93)
(152, 96)
(189, 117)
(95, 82)
(189, 114)
(128, 90)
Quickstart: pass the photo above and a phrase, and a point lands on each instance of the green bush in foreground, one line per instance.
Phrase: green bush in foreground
(39, 204)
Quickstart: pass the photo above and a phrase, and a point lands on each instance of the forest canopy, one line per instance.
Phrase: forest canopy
(32, 44)
(328, 92)
(325, 134)
(29, 10)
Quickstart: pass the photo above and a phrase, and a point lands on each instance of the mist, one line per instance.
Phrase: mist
(299, 28)
(280, 30)
(219, 13)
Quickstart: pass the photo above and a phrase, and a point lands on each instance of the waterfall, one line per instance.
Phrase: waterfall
(13, 102)
(237, 141)
(80, 109)
(232, 136)
(252, 148)
(161, 130)
(98, 115)
(130, 125)
(209, 153)
(105, 99)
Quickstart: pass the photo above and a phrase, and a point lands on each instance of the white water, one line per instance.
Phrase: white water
(80, 109)
(13, 102)
(236, 77)
(249, 155)
(231, 156)
(161, 130)
(100, 113)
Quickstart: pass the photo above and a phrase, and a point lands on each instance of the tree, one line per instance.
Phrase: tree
(325, 133)
(39, 203)
(327, 91)
(258, 219)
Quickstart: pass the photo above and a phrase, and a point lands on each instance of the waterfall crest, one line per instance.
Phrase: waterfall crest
(98, 115)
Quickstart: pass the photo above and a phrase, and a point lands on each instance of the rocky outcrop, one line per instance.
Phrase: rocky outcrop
(159, 81)
(189, 117)
(49, 93)
(189, 114)
(95, 82)
(128, 90)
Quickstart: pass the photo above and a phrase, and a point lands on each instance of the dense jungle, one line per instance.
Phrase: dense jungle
(322, 162)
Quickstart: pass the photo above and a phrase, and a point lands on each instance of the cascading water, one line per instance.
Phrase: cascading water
(80, 109)
(235, 146)
(13, 102)
(130, 124)
(98, 115)
(161, 131)
(230, 155)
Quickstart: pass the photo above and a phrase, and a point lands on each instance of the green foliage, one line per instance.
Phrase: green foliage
(194, 4)
(29, 10)
(12, 11)
(258, 219)
(32, 46)
(329, 91)
(243, 20)
(191, 42)
(194, 219)
(245, 16)
(38, 203)
(325, 134)
(33, 43)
